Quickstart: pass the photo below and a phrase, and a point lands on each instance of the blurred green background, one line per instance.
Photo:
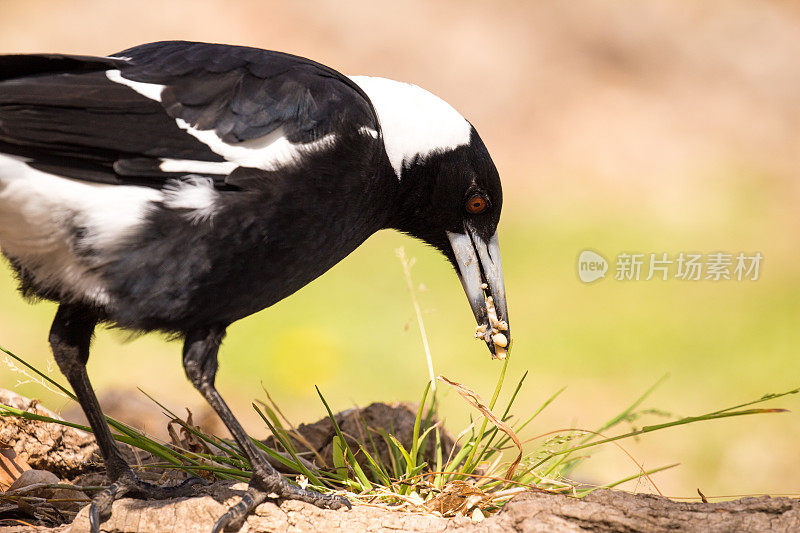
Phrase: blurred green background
(618, 127)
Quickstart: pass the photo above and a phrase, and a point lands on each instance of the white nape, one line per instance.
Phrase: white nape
(150, 90)
(193, 193)
(414, 121)
(43, 218)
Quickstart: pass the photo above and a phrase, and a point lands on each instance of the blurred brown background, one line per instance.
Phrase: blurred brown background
(651, 126)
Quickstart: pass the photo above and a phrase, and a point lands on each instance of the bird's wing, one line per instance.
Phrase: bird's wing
(168, 109)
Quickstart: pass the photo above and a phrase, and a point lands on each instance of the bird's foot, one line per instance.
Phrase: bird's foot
(260, 489)
(131, 486)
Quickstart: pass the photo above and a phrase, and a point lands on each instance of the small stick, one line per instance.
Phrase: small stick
(401, 254)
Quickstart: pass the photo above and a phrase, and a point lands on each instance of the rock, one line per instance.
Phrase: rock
(34, 477)
(189, 515)
(602, 511)
(611, 511)
(37, 484)
(46, 446)
(67, 452)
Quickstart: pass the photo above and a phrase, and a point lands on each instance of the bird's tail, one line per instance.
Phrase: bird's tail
(15, 66)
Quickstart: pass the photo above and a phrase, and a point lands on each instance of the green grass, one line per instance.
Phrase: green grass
(488, 451)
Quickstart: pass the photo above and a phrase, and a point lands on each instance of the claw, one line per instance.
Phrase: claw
(324, 501)
(100, 509)
(234, 518)
(128, 483)
(342, 502)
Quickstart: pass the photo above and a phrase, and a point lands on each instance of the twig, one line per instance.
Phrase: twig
(401, 254)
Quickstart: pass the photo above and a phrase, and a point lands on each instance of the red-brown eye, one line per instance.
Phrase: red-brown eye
(476, 204)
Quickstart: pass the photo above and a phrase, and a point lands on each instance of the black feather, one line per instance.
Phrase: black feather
(65, 115)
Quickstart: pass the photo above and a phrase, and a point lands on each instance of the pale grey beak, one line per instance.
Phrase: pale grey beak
(481, 273)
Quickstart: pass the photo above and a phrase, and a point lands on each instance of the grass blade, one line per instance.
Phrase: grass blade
(362, 478)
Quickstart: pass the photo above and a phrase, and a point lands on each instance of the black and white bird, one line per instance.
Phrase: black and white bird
(180, 186)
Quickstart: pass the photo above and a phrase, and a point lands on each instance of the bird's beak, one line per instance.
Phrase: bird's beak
(481, 273)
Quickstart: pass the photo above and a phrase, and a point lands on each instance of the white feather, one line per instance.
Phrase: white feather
(39, 213)
(414, 121)
(150, 90)
(366, 130)
(197, 167)
(270, 152)
(195, 193)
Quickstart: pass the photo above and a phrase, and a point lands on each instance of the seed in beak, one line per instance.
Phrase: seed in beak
(500, 340)
(491, 311)
(493, 330)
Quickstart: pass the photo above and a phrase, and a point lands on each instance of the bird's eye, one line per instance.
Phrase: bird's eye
(476, 204)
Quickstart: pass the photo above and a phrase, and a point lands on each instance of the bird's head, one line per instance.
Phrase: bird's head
(448, 194)
(452, 200)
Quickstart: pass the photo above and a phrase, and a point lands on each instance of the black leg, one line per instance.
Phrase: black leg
(200, 362)
(70, 337)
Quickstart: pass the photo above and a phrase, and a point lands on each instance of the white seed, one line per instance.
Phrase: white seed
(493, 330)
(500, 340)
(491, 311)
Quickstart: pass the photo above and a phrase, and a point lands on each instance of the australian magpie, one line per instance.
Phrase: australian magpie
(180, 186)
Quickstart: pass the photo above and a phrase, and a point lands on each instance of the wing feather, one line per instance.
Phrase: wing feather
(66, 114)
